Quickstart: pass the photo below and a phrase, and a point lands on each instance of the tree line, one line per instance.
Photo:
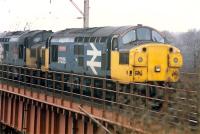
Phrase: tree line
(189, 43)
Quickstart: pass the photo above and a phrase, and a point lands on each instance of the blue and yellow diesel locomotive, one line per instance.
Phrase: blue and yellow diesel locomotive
(125, 54)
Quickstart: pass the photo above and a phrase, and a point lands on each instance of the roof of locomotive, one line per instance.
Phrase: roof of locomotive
(17, 35)
(93, 32)
(35, 32)
(5, 37)
(13, 33)
(32, 33)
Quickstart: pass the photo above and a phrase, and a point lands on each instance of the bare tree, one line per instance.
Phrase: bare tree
(189, 44)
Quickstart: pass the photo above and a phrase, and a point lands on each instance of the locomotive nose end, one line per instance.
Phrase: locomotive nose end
(159, 62)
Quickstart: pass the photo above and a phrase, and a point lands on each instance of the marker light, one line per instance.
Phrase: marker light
(175, 60)
(140, 59)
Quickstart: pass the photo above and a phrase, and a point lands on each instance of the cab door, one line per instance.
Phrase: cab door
(42, 56)
(38, 57)
(45, 59)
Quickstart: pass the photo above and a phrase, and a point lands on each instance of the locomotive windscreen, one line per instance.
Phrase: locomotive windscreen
(142, 34)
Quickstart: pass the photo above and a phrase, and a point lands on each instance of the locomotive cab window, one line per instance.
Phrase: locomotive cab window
(143, 34)
(156, 37)
(129, 37)
(123, 58)
(54, 50)
(37, 39)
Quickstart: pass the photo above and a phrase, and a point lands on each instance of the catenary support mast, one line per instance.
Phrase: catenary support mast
(85, 13)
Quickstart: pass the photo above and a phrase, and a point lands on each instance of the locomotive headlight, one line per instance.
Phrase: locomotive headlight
(157, 69)
(175, 60)
(140, 59)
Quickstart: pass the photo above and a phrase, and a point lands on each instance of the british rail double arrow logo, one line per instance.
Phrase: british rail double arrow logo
(92, 63)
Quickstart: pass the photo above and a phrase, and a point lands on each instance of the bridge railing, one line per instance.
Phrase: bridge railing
(171, 106)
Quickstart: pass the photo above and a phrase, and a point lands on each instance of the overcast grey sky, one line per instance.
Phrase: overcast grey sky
(171, 15)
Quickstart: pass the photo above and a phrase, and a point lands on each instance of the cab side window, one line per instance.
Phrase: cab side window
(123, 58)
(114, 44)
